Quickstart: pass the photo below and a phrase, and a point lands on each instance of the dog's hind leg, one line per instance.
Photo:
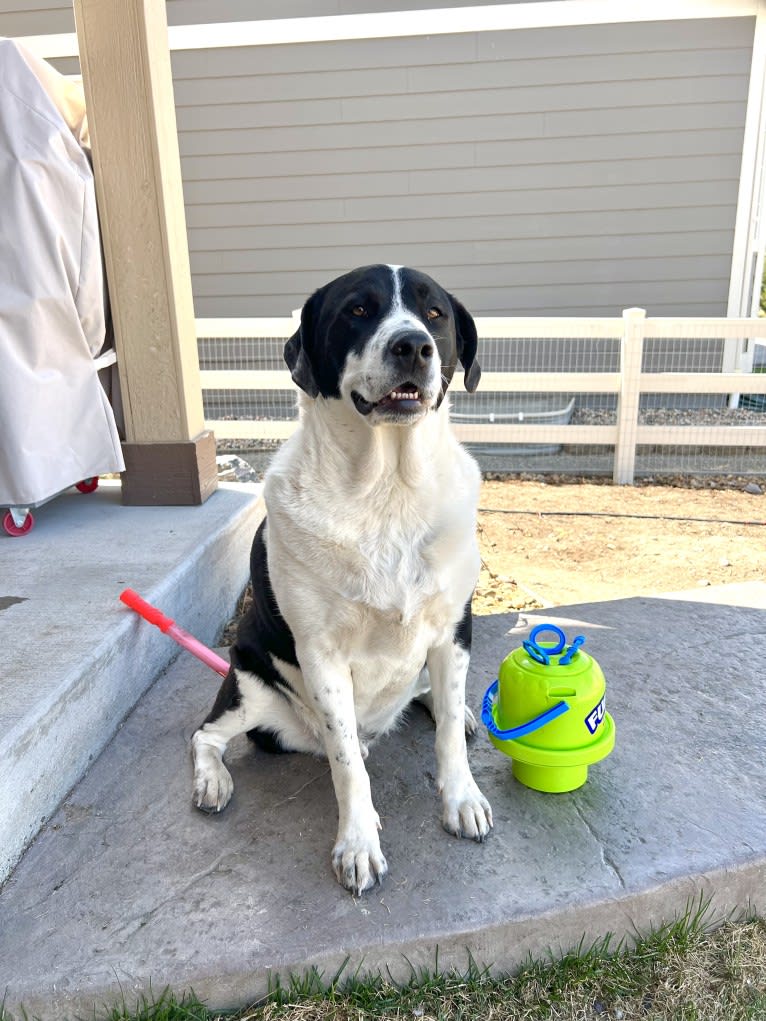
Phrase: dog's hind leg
(244, 703)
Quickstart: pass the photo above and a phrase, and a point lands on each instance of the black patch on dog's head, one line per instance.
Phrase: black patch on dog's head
(344, 315)
(317, 352)
(467, 345)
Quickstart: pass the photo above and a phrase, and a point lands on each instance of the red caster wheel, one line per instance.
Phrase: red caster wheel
(12, 528)
(88, 485)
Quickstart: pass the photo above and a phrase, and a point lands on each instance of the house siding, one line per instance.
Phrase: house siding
(560, 171)
(41, 17)
(31, 17)
(203, 12)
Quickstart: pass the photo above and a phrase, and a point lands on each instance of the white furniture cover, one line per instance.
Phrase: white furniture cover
(56, 424)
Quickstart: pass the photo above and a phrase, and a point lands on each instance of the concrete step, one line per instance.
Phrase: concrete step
(74, 660)
(128, 889)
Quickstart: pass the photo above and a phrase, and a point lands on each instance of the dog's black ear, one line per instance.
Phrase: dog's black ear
(467, 344)
(299, 347)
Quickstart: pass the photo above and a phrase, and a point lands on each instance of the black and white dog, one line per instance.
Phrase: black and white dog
(365, 565)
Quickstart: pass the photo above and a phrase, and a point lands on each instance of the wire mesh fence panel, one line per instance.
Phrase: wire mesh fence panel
(653, 461)
(250, 405)
(757, 354)
(254, 353)
(532, 396)
(687, 426)
(549, 354)
(552, 398)
(683, 355)
(255, 405)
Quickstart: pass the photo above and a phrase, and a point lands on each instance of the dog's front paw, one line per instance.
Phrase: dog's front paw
(466, 812)
(357, 859)
(213, 788)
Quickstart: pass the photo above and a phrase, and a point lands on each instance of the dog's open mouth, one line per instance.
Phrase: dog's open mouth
(405, 399)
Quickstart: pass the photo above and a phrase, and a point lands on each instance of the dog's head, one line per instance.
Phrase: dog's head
(385, 338)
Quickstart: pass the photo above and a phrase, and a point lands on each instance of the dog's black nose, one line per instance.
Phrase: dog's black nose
(411, 350)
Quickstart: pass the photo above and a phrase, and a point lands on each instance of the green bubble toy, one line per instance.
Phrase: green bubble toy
(547, 712)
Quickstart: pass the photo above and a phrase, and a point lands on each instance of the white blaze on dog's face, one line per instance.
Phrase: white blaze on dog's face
(385, 339)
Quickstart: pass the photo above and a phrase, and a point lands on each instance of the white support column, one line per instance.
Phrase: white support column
(631, 354)
(169, 456)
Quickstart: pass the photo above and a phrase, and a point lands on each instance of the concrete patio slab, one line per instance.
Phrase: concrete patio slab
(128, 889)
(743, 593)
(74, 659)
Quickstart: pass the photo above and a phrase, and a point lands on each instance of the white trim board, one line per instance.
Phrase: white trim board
(747, 248)
(744, 288)
(441, 21)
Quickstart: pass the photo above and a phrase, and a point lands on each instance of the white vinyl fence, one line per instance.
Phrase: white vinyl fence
(622, 387)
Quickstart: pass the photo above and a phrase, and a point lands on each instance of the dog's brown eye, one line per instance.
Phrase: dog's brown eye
(359, 311)
(433, 313)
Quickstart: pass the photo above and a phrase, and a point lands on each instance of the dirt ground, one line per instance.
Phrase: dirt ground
(548, 544)
(553, 541)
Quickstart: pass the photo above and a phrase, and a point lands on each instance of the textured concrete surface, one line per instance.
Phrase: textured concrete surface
(74, 659)
(128, 888)
(742, 593)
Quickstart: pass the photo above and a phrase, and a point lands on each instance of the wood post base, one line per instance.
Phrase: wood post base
(169, 474)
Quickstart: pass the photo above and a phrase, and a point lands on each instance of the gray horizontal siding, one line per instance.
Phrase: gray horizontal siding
(538, 251)
(464, 180)
(512, 110)
(33, 17)
(423, 207)
(575, 170)
(292, 140)
(198, 12)
(542, 155)
(40, 17)
(584, 73)
(478, 276)
(454, 53)
(615, 223)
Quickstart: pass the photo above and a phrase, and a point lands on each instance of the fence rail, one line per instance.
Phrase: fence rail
(625, 386)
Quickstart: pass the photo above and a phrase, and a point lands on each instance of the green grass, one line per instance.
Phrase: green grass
(684, 971)
(691, 970)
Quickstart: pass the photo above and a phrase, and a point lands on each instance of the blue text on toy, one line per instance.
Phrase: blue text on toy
(595, 718)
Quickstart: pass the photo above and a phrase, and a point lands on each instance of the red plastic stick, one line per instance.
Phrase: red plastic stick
(172, 630)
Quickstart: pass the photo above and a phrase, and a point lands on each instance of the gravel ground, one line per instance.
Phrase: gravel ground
(694, 467)
(673, 416)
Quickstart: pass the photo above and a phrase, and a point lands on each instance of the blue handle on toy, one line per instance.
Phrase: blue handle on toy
(543, 655)
(566, 659)
(524, 728)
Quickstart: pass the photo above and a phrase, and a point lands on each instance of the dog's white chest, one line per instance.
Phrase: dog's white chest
(386, 655)
(375, 573)
(411, 604)
(394, 575)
